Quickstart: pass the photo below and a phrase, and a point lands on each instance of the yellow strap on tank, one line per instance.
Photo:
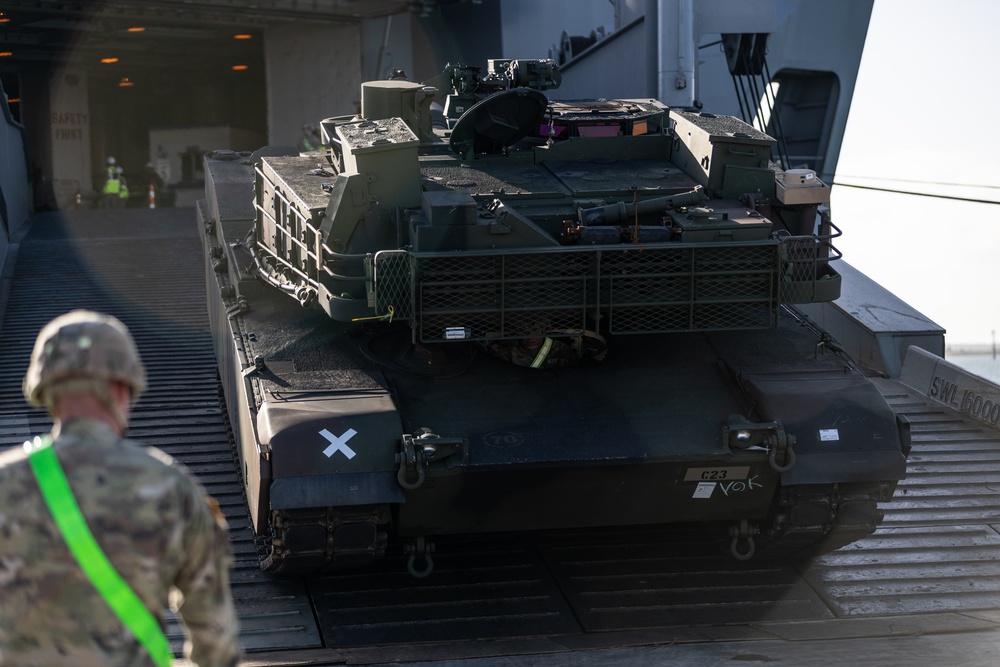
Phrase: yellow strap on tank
(88, 553)
(543, 352)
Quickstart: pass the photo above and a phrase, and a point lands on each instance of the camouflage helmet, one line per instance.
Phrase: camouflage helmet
(83, 345)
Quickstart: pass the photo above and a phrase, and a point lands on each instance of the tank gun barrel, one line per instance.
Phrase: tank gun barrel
(622, 212)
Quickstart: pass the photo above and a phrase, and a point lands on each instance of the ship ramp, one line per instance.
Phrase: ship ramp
(924, 588)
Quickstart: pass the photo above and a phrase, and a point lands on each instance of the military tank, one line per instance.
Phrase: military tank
(506, 312)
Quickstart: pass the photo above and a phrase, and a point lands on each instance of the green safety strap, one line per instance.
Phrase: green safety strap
(88, 553)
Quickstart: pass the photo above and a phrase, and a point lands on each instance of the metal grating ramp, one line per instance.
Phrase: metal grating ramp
(672, 577)
(937, 547)
(481, 588)
(145, 267)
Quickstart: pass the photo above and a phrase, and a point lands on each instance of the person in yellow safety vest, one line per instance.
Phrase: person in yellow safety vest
(122, 190)
(112, 185)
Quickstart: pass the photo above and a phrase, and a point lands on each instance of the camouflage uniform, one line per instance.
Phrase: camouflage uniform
(154, 522)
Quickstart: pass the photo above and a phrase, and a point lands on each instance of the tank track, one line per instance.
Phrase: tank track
(311, 539)
(806, 521)
(810, 520)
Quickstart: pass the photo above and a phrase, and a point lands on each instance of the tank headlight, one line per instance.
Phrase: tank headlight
(742, 436)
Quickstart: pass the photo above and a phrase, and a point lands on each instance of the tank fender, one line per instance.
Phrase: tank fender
(844, 430)
(331, 448)
(367, 488)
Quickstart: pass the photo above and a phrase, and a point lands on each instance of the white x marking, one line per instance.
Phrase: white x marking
(339, 444)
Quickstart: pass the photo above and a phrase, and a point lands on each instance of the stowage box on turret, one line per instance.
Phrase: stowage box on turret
(506, 312)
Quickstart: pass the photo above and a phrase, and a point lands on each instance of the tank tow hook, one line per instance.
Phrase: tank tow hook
(423, 449)
(742, 546)
(741, 433)
(419, 549)
(780, 444)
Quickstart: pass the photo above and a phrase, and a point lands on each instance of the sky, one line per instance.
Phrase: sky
(925, 118)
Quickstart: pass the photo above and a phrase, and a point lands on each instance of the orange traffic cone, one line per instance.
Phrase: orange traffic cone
(152, 196)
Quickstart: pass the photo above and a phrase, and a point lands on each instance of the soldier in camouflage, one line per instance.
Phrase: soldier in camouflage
(155, 523)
